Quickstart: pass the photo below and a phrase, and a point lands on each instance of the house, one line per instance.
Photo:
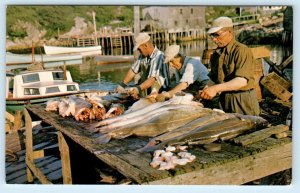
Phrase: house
(172, 17)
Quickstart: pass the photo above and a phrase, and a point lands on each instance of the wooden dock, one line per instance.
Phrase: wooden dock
(125, 41)
(43, 138)
(234, 164)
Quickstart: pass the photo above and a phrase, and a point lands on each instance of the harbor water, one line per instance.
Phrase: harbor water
(93, 76)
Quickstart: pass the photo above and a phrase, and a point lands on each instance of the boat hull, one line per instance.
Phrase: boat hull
(50, 50)
(15, 104)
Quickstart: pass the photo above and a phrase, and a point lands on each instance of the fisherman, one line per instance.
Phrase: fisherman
(149, 66)
(188, 73)
(232, 71)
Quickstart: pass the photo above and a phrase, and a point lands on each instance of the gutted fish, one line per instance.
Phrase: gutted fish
(52, 105)
(158, 124)
(187, 99)
(232, 126)
(161, 140)
(142, 103)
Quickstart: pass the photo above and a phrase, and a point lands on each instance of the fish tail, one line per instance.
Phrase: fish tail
(92, 128)
(150, 147)
(103, 139)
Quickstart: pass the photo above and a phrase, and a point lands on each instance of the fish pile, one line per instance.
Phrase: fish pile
(170, 157)
(207, 129)
(153, 120)
(84, 109)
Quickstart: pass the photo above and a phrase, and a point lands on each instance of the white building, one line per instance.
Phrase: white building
(173, 17)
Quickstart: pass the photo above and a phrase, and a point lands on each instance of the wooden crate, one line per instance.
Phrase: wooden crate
(277, 86)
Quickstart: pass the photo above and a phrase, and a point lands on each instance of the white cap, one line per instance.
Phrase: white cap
(171, 52)
(219, 23)
(140, 39)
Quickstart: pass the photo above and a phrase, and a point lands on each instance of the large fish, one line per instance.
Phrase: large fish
(142, 103)
(187, 99)
(142, 118)
(208, 133)
(158, 124)
(160, 141)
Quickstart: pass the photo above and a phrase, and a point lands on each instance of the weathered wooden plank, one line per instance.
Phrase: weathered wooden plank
(260, 135)
(84, 138)
(37, 172)
(238, 171)
(29, 150)
(120, 155)
(65, 159)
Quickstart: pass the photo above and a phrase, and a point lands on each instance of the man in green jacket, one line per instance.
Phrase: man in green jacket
(232, 71)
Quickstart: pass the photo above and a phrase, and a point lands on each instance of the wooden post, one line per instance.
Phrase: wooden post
(65, 159)
(28, 144)
(17, 121)
(136, 10)
(65, 70)
(95, 29)
(32, 53)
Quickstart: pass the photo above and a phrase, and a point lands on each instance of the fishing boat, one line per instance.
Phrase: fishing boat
(91, 50)
(30, 87)
(14, 61)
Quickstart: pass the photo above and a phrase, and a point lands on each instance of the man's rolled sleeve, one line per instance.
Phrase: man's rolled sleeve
(190, 74)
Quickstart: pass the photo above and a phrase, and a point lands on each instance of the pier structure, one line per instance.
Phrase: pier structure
(124, 41)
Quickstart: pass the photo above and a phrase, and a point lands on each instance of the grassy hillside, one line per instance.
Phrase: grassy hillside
(52, 18)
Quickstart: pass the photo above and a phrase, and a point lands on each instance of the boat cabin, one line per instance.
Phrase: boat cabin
(39, 83)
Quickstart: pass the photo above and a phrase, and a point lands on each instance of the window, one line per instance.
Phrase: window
(176, 23)
(30, 78)
(52, 89)
(192, 11)
(31, 91)
(180, 11)
(58, 75)
(71, 88)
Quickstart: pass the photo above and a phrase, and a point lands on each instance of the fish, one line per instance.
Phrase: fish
(115, 110)
(140, 119)
(201, 121)
(187, 99)
(52, 105)
(158, 124)
(142, 103)
(211, 132)
(80, 108)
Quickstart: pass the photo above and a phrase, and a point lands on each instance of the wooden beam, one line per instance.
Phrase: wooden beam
(284, 64)
(28, 144)
(239, 171)
(38, 154)
(65, 159)
(37, 172)
(260, 135)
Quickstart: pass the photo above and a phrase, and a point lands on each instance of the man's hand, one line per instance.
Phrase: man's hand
(208, 92)
(134, 91)
(152, 95)
(121, 88)
(163, 96)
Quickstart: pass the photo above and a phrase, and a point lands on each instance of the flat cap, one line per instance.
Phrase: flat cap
(171, 52)
(219, 23)
(140, 39)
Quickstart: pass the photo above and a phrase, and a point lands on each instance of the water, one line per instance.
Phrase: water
(91, 76)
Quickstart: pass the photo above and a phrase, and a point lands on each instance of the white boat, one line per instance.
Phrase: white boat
(14, 61)
(91, 50)
(30, 87)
